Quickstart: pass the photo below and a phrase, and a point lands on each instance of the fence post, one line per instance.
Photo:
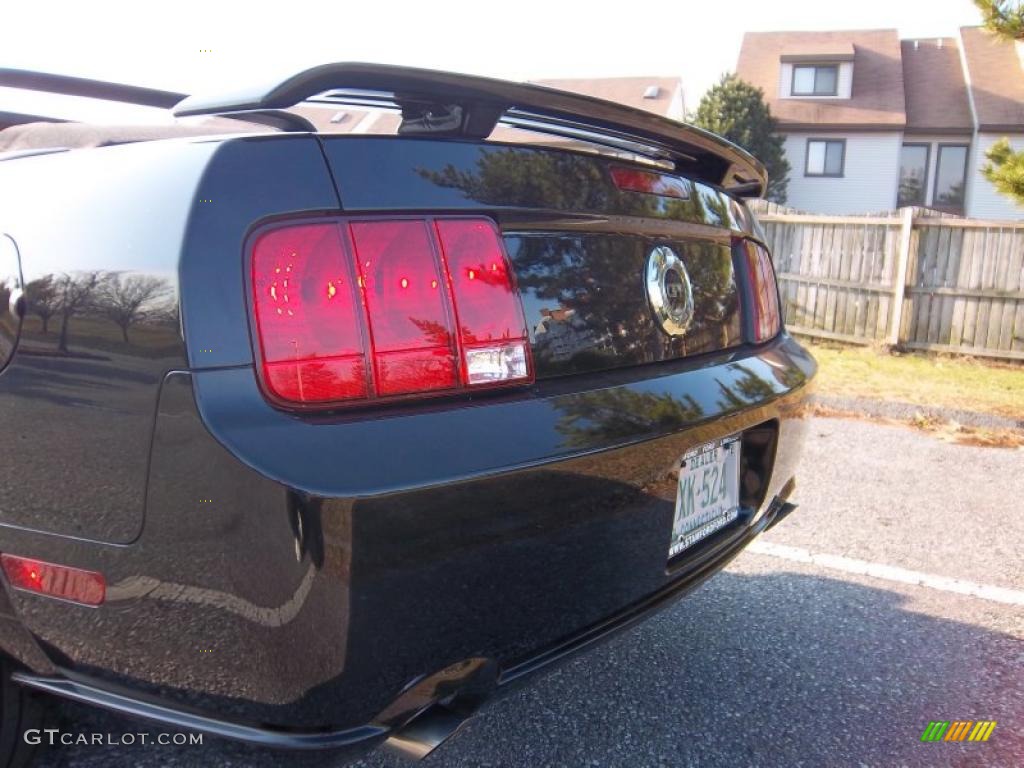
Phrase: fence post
(900, 286)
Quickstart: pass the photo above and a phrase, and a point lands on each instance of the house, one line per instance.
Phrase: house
(994, 72)
(560, 334)
(661, 95)
(872, 122)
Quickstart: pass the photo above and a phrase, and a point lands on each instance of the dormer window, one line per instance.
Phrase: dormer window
(815, 80)
(817, 71)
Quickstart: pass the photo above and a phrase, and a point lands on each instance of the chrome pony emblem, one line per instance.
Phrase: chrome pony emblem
(669, 290)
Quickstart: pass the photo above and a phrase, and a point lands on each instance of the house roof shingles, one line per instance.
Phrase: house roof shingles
(624, 90)
(809, 50)
(877, 99)
(933, 79)
(997, 80)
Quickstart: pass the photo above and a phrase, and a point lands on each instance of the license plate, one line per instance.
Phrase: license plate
(708, 494)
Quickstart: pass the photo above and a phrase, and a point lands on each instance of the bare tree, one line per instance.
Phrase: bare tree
(43, 299)
(130, 299)
(167, 313)
(75, 294)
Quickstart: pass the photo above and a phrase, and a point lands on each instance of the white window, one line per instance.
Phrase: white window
(815, 80)
(825, 157)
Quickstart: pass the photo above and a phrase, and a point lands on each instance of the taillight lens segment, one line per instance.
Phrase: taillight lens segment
(407, 305)
(349, 310)
(765, 299)
(492, 332)
(307, 315)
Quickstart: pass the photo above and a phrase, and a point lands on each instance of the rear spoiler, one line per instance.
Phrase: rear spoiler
(465, 106)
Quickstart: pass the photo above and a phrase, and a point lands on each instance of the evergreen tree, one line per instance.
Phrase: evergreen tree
(737, 111)
(1005, 168)
(1003, 17)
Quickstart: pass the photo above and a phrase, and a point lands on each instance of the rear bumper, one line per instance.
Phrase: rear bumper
(318, 583)
(711, 559)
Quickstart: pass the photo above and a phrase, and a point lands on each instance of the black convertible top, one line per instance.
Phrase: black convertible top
(47, 135)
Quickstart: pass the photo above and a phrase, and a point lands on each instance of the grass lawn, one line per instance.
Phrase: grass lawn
(920, 379)
(101, 335)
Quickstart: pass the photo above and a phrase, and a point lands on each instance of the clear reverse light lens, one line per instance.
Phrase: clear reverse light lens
(491, 365)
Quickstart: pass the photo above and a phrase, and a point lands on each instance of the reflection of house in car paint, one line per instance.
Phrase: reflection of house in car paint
(560, 334)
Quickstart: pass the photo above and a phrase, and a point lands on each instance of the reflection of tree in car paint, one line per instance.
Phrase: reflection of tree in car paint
(130, 299)
(103, 299)
(591, 284)
(75, 295)
(561, 181)
(747, 388)
(42, 299)
(610, 414)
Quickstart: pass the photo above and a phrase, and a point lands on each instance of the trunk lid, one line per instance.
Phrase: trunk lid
(610, 273)
(580, 246)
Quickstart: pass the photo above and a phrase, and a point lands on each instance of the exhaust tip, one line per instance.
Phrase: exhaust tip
(426, 732)
(782, 512)
(433, 709)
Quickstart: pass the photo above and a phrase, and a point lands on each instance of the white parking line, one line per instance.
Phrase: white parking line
(890, 573)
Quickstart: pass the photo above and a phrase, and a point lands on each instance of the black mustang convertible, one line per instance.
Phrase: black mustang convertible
(322, 440)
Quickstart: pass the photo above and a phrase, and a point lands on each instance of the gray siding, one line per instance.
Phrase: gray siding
(870, 174)
(983, 200)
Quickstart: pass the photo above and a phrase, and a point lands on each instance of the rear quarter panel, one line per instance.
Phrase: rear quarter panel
(77, 401)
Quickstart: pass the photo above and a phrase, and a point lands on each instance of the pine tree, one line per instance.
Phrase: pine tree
(1003, 17)
(738, 112)
(1005, 168)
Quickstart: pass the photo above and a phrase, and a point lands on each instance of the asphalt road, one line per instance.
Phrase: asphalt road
(790, 657)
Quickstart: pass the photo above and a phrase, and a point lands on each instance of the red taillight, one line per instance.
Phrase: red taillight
(86, 587)
(764, 292)
(371, 309)
(307, 315)
(649, 182)
(410, 331)
(492, 329)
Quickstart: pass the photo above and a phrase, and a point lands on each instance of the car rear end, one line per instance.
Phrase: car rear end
(456, 403)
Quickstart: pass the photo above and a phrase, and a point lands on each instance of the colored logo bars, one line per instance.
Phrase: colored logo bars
(958, 730)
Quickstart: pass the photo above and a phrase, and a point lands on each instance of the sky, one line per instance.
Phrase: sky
(216, 45)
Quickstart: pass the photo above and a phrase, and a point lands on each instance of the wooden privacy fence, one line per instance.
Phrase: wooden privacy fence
(907, 278)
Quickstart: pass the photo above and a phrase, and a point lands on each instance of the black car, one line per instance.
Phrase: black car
(322, 440)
